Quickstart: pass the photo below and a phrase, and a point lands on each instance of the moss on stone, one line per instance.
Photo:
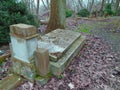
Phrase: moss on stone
(2, 60)
(49, 75)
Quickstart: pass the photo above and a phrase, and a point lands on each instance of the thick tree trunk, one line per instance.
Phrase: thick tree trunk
(57, 15)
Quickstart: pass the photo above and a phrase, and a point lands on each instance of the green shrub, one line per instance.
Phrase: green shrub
(83, 13)
(108, 9)
(68, 13)
(12, 12)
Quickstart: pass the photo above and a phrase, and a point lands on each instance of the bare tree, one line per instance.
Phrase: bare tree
(91, 5)
(117, 5)
(44, 5)
(80, 3)
(48, 3)
(102, 6)
(74, 5)
(57, 15)
(37, 10)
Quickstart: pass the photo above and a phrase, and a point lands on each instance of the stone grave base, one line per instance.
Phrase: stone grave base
(26, 70)
(58, 67)
(63, 45)
(10, 82)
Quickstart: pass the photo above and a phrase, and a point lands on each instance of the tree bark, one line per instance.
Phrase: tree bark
(57, 15)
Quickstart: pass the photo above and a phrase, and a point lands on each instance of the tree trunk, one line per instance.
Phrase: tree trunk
(47, 1)
(44, 5)
(103, 2)
(80, 3)
(102, 6)
(37, 10)
(57, 15)
(116, 6)
(91, 5)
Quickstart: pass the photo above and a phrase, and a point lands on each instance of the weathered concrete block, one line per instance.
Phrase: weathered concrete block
(10, 82)
(23, 49)
(23, 41)
(42, 61)
(23, 30)
(27, 70)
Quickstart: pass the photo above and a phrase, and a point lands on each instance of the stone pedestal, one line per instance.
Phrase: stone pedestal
(42, 61)
(10, 82)
(24, 43)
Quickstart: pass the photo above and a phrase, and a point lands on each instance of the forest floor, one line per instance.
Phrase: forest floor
(107, 29)
(97, 67)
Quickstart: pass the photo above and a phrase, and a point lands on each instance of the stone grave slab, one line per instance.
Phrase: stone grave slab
(10, 82)
(58, 67)
(58, 42)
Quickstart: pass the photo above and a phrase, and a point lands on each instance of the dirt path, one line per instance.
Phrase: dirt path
(107, 29)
